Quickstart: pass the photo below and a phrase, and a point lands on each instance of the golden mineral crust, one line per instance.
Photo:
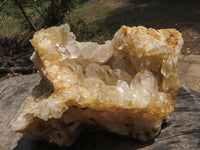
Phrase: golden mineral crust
(127, 85)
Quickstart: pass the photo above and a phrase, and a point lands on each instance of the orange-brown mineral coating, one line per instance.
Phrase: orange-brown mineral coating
(153, 33)
(172, 37)
(141, 97)
(141, 41)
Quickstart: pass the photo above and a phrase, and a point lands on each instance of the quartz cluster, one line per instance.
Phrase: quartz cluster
(127, 85)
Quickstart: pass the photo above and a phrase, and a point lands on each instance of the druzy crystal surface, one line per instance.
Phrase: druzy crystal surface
(127, 85)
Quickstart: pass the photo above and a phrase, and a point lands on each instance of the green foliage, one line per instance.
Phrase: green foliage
(52, 12)
(11, 18)
(42, 13)
(82, 29)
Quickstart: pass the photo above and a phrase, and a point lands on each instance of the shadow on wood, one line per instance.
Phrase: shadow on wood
(180, 131)
(98, 140)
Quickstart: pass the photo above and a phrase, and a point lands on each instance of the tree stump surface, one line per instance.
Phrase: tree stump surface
(180, 131)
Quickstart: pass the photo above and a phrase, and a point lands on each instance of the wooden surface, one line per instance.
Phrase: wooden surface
(180, 131)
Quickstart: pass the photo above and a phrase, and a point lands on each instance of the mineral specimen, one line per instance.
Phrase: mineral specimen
(127, 85)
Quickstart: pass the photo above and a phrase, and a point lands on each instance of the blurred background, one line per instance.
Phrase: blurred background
(91, 20)
(98, 20)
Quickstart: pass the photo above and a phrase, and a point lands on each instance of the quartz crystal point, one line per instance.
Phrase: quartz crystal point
(127, 85)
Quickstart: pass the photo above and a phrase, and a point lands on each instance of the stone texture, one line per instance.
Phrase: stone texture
(194, 70)
(127, 85)
(192, 58)
(12, 94)
(189, 71)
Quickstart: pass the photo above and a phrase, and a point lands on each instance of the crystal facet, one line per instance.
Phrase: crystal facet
(127, 85)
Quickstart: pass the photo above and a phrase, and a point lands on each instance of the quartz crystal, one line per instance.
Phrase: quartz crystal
(127, 85)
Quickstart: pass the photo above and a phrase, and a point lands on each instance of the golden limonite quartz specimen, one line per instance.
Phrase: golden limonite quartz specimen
(127, 85)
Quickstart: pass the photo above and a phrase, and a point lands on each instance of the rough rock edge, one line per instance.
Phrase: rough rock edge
(146, 132)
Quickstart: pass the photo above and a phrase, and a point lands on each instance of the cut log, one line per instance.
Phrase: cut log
(180, 131)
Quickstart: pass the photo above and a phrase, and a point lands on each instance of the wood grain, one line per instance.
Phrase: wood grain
(180, 131)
